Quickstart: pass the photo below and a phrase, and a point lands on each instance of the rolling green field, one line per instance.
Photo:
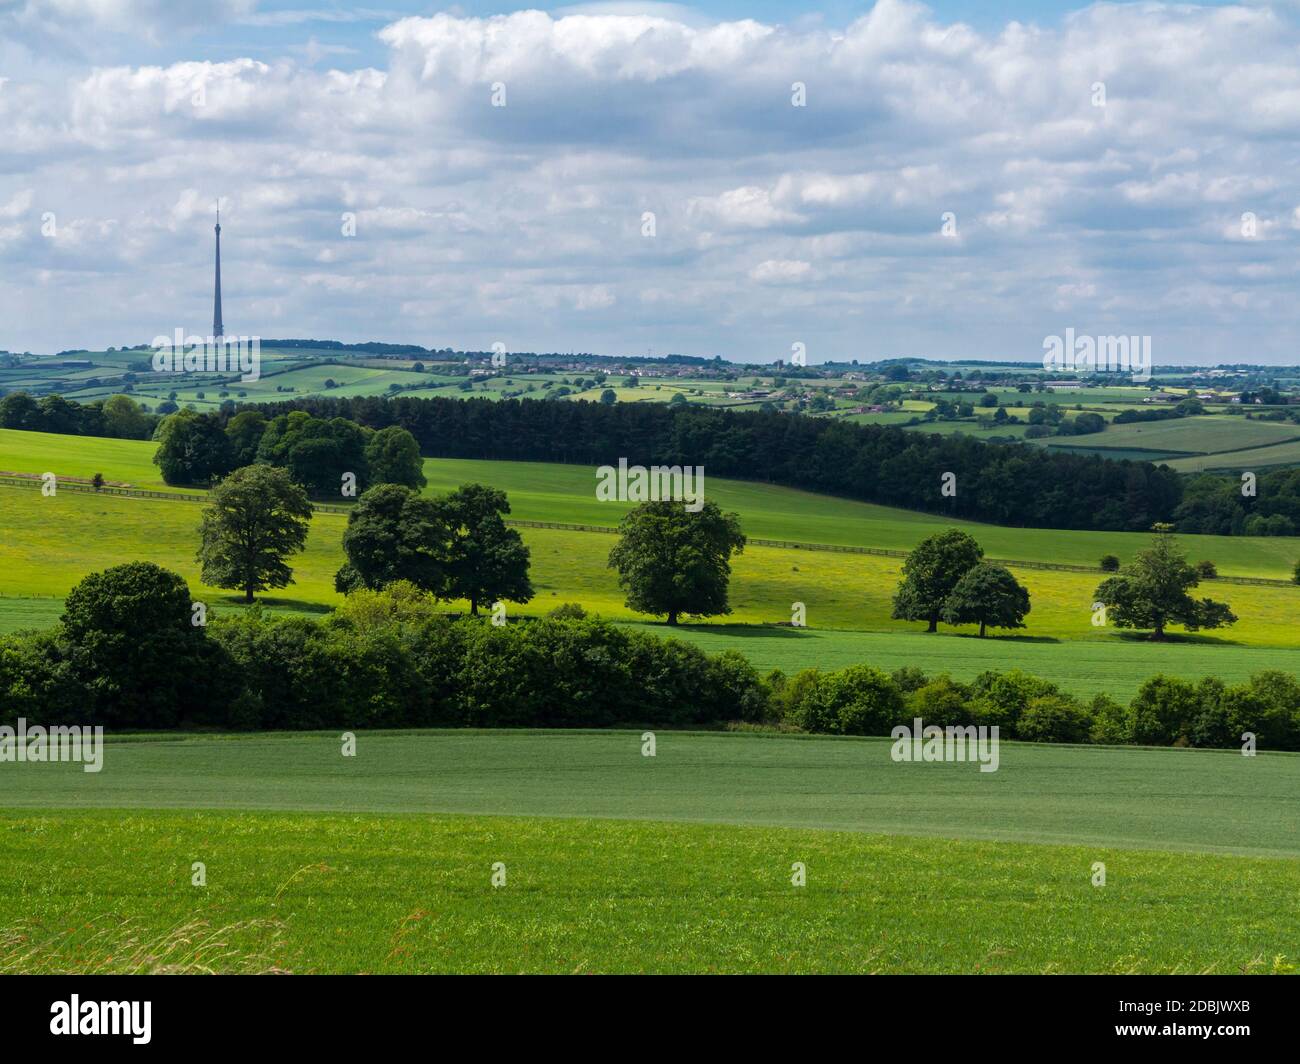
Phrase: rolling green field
(51, 543)
(681, 862)
(1144, 798)
(55, 541)
(1189, 435)
(1110, 666)
(1282, 454)
(615, 862)
(123, 462)
(541, 491)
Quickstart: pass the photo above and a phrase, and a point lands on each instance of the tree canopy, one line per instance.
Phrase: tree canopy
(395, 534)
(255, 518)
(672, 561)
(192, 448)
(1153, 592)
(930, 574)
(487, 560)
(987, 595)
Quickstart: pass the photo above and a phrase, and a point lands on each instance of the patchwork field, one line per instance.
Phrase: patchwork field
(1282, 454)
(1189, 435)
(383, 863)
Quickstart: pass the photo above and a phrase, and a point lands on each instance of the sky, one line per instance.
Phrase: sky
(958, 180)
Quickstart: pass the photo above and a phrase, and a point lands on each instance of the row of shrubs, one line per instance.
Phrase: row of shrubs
(383, 659)
(128, 655)
(861, 700)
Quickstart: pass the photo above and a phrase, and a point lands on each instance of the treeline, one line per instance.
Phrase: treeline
(862, 700)
(128, 654)
(1004, 484)
(1010, 485)
(1246, 505)
(117, 417)
(326, 456)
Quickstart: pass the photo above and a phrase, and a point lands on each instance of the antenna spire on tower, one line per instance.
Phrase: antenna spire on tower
(218, 329)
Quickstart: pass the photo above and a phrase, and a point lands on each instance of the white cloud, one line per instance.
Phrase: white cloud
(773, 222)
(780, 271)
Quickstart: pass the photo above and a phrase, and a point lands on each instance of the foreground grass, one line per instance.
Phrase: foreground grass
(112, 891)
(1111, 797)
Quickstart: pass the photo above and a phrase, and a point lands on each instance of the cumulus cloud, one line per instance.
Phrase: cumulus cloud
(1095, 174)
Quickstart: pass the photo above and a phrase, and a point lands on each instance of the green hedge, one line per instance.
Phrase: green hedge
(127, 655)
(1165, 711)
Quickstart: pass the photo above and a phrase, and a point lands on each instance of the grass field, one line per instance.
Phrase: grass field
(1111, 666)
(1189, 435)
(55, 541)
(565, 493)
(122, 461)
(542, 491)
(1135, 797)
(51, 543)
(1282, 454)
(383, 862)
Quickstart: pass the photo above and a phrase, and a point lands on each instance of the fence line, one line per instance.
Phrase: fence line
(138, 493)
(836, 548)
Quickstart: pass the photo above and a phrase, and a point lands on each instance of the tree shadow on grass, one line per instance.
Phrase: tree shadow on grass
(275, 605)
(1003, 638)
(1179, 638)
(743, 630)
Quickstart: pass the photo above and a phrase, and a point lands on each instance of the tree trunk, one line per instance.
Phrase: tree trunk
(934, 624)
(473, 607)
(248, 595)
(981, 629)
(672, 617)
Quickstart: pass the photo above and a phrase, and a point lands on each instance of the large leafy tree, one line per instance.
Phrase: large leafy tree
(930, 574)
(134, 650)
(192, 448)
(987, 595)
(244, 431)
(394, 534)
(256, 518)
(18, 410)
(317, 452)
(487, 560)
(673, 561)
(1153, 592)
(393, 457)
(124, 419)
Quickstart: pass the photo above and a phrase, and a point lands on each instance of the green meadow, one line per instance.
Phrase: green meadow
(55, 541)
(52, 542)
(384, 862)
(1110, 666)
(681, 862)
(565, 493)
(1128, 797)
(541, 491)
